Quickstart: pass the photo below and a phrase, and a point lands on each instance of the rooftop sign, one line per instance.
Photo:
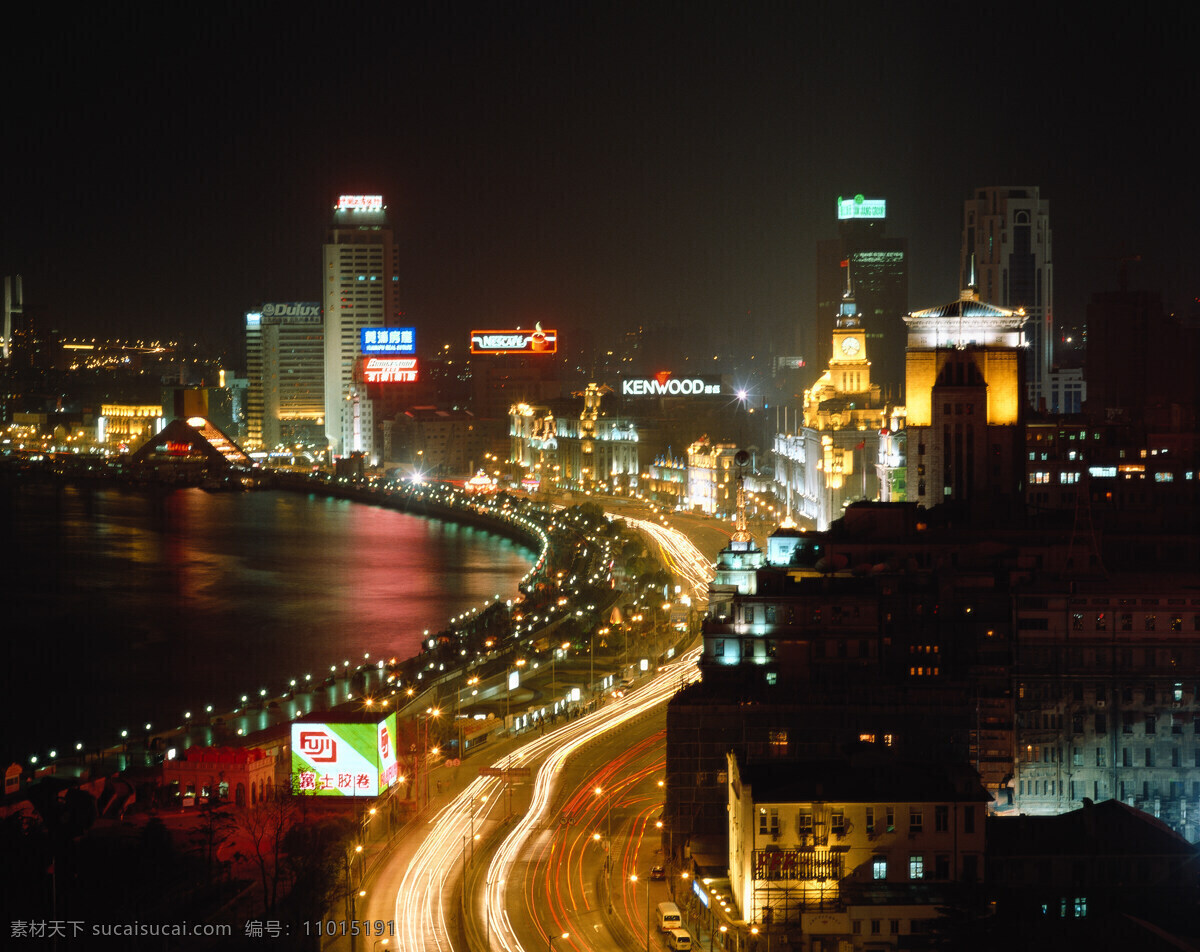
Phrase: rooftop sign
(390, 370)
(859, 207)
(360, 203)
(389, 340)
(293, 312)
(664, 385)
(536, 341)
(344, 759)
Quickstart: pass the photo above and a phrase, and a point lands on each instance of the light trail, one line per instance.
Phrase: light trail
(424, 895)
(565, 742)
(692, 565)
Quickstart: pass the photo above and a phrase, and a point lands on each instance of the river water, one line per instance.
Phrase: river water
(123, 608)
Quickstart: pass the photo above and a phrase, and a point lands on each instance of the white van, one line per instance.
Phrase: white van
(679, 939)
(668, 917)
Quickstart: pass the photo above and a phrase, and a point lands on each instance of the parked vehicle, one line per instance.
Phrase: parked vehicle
(668, 917)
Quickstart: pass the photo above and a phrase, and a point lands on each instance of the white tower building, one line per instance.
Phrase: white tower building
(285, 358)
(360, 281)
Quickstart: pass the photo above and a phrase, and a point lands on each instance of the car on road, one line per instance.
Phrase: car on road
(658, 872)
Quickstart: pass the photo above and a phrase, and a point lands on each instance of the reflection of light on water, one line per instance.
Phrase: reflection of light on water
(165, 603)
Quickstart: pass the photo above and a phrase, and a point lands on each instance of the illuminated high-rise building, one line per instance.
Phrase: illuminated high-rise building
(965, 403)
(360, 281)
(285, 358)
(12, 308)
(1006, 254)
(878, 273)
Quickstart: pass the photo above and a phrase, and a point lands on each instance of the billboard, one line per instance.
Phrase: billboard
(291, 312)
(360, 203)
(390, 369)
(859, 207)
(664, 385)
(517, 341)
(344, 760)
(389, 340)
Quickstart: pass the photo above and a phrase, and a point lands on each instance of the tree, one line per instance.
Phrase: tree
(215, 826)
(313, 858)
(266, 827)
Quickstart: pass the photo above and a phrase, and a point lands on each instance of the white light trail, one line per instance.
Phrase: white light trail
(423, 894)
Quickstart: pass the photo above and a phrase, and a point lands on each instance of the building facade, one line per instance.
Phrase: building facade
(1007, 254)
(965, 402)
(285, 358)
(360, 290)
(856, 852)
(877, 268)
(830, 460)
(585, 451)
(1107, 687)
(712, 488)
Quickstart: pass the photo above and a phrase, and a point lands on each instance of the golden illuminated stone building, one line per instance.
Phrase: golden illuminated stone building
(124, 428)
(964, 382)
(827, 463)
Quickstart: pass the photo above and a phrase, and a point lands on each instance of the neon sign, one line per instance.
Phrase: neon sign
(664, 385)
(515, 341)
(360, 203)
(390, 370)
(389, 340)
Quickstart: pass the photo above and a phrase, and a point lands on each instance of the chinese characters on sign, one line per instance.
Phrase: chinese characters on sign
(360, 203)
(389, 340)
(345, 782)
(798, 864)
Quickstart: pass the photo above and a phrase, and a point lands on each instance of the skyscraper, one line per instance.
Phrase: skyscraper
(1006, 254)
(878, 272)
(285, 358)
(361, 289)
(12, 307)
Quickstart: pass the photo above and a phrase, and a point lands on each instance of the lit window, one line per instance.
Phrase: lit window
(916, 867)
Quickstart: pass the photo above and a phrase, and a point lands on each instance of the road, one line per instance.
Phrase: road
(519, 913)
(544, 873)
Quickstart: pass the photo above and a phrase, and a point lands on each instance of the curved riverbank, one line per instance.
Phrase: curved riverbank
(129, 608)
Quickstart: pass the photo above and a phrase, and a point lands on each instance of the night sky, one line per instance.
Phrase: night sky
(608, 165)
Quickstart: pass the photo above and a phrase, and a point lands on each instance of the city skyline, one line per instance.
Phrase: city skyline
(630, 167)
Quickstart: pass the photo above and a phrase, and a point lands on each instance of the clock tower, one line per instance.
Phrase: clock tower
(831, 460)
(849, 370)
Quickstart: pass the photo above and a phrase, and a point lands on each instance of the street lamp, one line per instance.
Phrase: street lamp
(608, 821)
(520, 663)
(482, 800)
(351, 894)
(565, 935)
(633, 879)
(553, 674)
(430, 712)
